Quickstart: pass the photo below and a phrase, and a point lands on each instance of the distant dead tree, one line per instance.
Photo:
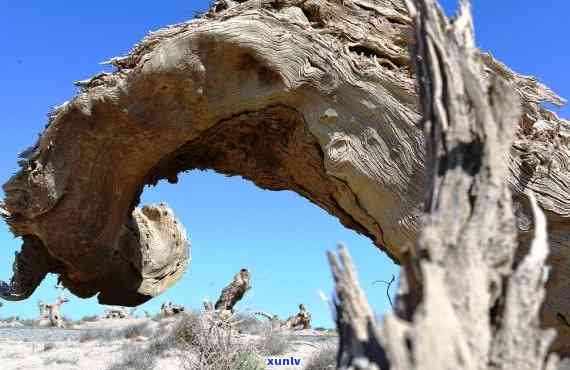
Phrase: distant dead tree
(468, 298)
(169, 309)
(208, 306)
(299, 321)
(118, 313)
(50, 313)
(302, 320)
(234, 291)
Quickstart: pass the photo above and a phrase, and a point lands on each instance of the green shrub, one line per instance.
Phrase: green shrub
(247, 361)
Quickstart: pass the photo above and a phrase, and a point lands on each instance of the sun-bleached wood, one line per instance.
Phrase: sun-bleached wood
(466, 301)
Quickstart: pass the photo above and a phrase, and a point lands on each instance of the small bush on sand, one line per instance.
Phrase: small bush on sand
(130, 332)
(205, 343)
(249, 324)
(135, 331)
(273, 343)
(143, 356)
(247, 361)
(90, 318)
(134, 357)
(185, 329)
(209, 344)
(29, 323)
(93, 334)
(324, 359)
(60, 361)
(48, 347)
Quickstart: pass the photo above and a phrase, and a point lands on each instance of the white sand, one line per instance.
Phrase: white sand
(36, 354)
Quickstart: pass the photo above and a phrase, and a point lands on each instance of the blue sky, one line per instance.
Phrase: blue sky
(279, 236)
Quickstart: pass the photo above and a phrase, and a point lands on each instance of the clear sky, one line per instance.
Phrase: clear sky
(279, 236)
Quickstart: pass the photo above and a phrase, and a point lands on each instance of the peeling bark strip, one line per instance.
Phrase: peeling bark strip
(478, 309)
(313, 96)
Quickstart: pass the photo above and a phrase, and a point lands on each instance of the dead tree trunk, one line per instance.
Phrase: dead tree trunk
(169, 309)
(234, 291)
(44, 314)
(467, 303)
(302, 320)
(299, 321)
(55, 315)
(50, 314)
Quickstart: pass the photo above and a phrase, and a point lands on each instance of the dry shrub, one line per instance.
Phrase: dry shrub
(130, 332)
(249, 324)
(206, 344)
(28, 323)
(324, 359)
(143, 357)
(135, 331)
(48, 346)
(184, 329)
(60, 361)
(90, 318)
(209, 345)
(135, 357)
(273, 343)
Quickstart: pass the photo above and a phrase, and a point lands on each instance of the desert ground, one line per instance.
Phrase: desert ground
(184, 341)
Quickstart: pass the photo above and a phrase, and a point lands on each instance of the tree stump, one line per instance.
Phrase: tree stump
(466, 301)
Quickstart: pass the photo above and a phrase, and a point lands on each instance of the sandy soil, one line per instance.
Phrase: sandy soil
(61, 349)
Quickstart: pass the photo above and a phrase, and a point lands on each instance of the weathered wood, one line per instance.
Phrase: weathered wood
(479, 306)
(168, 309)
(50, 315)
(248, 89)
(117, 313)
(234, 291)
(359, 346)
(299, 321)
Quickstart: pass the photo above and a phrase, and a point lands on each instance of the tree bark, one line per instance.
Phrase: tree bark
(478, 306)
(234, 291)
(248, 89)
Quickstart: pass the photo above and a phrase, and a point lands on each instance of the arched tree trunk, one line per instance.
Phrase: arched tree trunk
(313, 96)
